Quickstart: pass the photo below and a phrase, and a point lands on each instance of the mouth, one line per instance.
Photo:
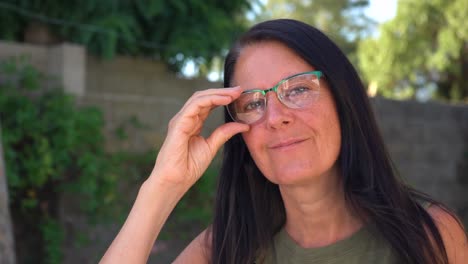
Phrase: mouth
(287, 144)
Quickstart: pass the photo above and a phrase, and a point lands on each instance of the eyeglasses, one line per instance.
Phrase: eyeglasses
(297, 91)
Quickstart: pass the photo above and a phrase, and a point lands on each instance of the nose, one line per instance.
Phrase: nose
(277, 114)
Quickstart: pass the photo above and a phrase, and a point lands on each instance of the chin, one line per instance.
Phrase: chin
(291, 176)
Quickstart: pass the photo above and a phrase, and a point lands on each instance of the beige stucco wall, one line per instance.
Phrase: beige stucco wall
(66, 62)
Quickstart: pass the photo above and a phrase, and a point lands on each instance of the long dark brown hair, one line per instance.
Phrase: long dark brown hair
(249, 209)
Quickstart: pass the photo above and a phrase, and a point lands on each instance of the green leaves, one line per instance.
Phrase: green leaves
(423, 47)
(157, 29)
(53, 237)
(149, 9)
(51, 146)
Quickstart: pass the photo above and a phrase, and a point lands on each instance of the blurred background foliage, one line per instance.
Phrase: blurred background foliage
(51, 147)
(172, 31)
(419, 54)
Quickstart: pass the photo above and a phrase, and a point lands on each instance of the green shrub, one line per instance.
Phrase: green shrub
(51, 146)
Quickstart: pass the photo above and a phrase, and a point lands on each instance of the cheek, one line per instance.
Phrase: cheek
(331, 144)
(331, 136)
(253, 141)
(334, 126)
(325, 120)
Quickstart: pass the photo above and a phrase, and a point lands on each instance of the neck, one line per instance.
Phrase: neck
(317, 213)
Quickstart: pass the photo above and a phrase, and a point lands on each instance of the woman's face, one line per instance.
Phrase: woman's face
(289, 146)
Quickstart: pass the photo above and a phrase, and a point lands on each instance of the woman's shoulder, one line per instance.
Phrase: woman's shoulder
(452, 232)
(198, 251)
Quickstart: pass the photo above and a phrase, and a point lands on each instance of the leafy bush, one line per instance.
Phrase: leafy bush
(51, 146)
(202, 30)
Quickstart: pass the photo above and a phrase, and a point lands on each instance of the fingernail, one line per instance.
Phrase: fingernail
(234, 88)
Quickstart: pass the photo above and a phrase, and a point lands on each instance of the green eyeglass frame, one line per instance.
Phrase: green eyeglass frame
(319, 74)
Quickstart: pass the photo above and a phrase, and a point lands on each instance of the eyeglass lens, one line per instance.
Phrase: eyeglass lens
(296, 92)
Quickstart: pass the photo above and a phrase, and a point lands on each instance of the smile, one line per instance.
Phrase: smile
(288, 143)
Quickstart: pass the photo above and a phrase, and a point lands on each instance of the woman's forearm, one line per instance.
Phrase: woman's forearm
(181, 161)
(154, 203)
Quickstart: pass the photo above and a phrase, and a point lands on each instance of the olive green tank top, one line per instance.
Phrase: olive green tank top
(363, 247)
(360, 248)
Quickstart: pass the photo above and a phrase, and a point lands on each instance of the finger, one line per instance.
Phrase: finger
(199, 109)
(233, 92)
(224, 133)
(200, 99)
(191, 117)
(189, 121)
(220, 91)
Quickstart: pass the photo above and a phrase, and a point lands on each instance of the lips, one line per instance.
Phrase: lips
(287, 143)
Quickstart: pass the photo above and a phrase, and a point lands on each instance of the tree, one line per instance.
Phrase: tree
(423, 49)
(173, 31)
(343, 20)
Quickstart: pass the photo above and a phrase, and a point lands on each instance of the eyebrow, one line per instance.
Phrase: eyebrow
(283, 79)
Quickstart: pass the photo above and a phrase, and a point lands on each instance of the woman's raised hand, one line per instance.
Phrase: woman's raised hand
(185, 154)
(183, 158)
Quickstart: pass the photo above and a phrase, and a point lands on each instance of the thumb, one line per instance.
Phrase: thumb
(223, 133)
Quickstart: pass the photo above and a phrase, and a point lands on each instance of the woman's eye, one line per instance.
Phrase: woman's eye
(295, 91)
(253, 105)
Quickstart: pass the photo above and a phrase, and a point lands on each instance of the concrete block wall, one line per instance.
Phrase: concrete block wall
(429, 145)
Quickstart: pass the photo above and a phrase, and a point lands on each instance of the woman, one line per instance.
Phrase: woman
(305, 176)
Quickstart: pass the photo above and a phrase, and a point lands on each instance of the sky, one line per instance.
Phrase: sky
(381, 10)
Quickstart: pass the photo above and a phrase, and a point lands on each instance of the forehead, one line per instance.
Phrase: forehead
(262, 65)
